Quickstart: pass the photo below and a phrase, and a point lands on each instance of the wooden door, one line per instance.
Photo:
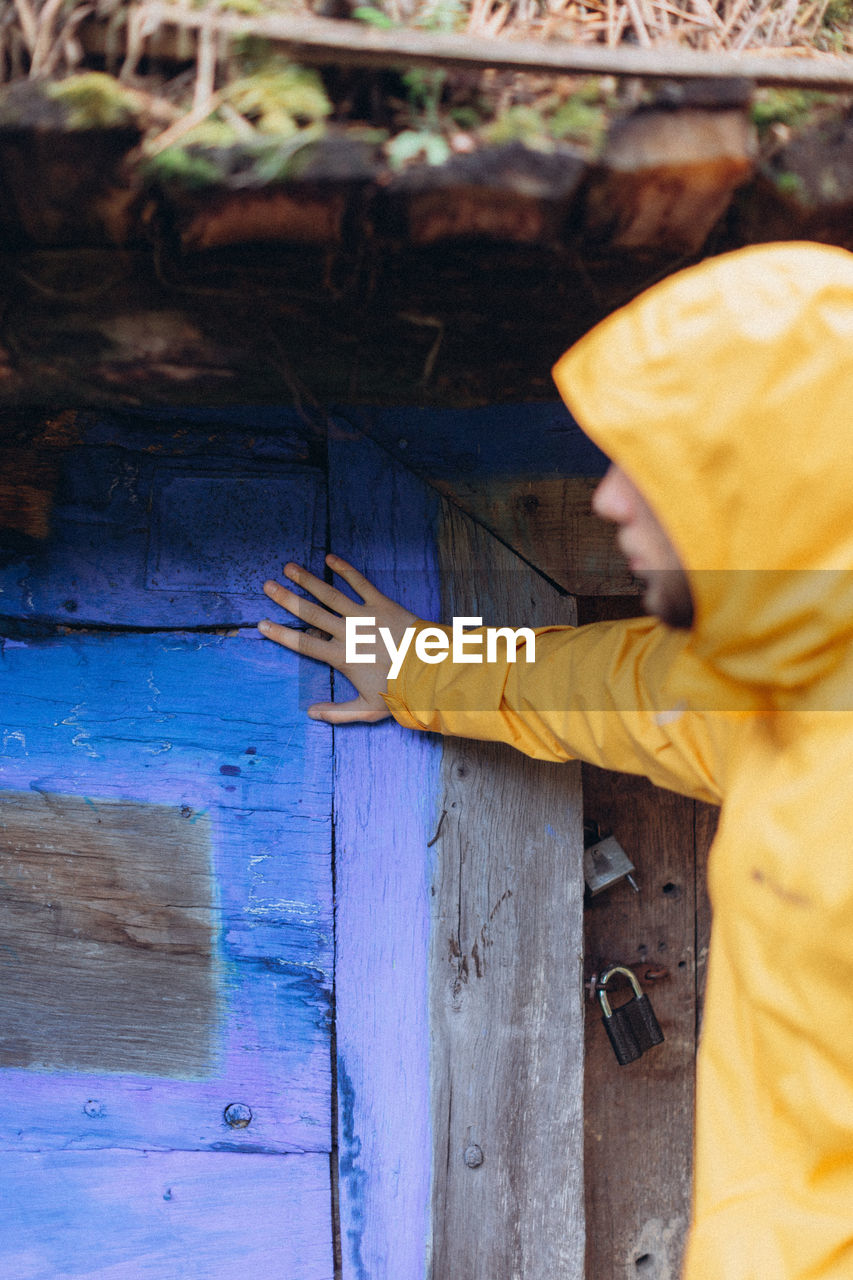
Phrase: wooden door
(275, 996)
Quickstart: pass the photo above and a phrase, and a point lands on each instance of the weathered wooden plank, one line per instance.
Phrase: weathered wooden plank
(548, 521)
(666, 177)
(126, 725)
(506, 964)
(316, 39)
(526, 472)
(106, 920)
(639, 1118)
(144, 532)
(298, 324)
(122, 1215)
(705, 820)
(386, 784)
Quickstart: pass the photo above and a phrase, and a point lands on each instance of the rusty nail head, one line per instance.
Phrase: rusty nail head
(473, 1156)
(238, 1115)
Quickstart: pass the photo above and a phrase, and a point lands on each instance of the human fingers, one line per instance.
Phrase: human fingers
(354, 578)
(306, 610)
(329, 651)
(328, 595)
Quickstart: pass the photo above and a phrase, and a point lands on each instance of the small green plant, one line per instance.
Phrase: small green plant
(424, 87)
(790, 184)
(417, 144)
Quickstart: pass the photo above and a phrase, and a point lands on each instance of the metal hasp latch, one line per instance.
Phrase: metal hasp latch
(633, 1027)
(605, 862)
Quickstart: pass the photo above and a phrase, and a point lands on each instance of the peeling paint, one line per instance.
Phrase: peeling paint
(353, 1179)
(14, 735)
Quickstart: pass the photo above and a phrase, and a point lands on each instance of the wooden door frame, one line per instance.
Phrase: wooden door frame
(439, 1177)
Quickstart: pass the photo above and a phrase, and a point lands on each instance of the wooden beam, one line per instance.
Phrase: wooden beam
(505, 1001)
(325, 40)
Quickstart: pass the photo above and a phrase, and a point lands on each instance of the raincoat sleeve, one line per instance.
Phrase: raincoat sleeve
(596, 693)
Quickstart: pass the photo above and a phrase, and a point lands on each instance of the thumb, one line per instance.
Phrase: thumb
(352, 712)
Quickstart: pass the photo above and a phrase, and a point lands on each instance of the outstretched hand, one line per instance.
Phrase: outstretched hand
(369, 679)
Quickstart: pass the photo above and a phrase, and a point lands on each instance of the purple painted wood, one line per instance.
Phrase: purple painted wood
(185, 722)
(123, 1215)
(386, 780)
(166, 914)
(164, 530)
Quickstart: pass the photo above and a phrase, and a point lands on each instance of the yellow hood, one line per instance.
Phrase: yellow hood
(726, 393)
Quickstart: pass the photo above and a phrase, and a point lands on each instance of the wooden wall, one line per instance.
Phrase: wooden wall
(119, 517)
(526, 473)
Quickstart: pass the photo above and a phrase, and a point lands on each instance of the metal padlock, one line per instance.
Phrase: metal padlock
(633, 1027)
(605, 863)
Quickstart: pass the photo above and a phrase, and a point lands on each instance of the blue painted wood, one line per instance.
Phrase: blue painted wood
(213, 726)
(171, 530)
(386, 779)
(121, 1215)
(520, 441)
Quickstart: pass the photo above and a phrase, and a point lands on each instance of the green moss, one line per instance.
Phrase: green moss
(183, 166)
(785, 106)
(517, 124)
(580, 120)
(212, 132)
(280, 98)
(373, 17)
(93, 100)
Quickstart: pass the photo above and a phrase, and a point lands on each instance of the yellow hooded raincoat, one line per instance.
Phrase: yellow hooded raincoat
(726, 394)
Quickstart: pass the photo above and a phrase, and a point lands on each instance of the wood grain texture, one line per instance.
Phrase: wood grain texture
(705, 822)
(506, 961)
(123, 1215)
(211, 728)
(386, 785)
(639, 1118)
(107, 927)
(548, 521)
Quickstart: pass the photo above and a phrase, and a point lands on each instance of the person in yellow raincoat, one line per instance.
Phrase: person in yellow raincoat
(724, 395)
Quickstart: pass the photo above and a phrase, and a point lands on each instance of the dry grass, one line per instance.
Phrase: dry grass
(42, 37)
(775, 26)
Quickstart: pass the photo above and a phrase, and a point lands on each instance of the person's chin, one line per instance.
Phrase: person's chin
(667, 596)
